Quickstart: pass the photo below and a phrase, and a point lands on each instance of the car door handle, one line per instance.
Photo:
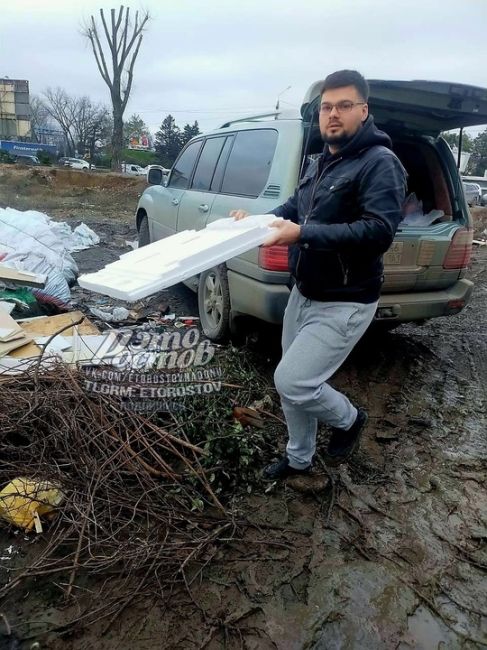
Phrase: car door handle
(203, 207)
(175, 201)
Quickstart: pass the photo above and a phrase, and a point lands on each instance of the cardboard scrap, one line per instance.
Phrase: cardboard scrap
(8, 327)
(10, 347)
(22, 278)
(12, 335)
(47, 326)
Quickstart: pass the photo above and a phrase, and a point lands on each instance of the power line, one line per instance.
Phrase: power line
(200, 111)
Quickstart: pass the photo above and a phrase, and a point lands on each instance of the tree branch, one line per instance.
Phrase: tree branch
(107, 34)
(100, 59)
(119, 20)
(128, 88)
(114, 42)
(136, 34)
(123, 42)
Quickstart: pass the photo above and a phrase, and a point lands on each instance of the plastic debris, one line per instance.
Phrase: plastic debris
(23, 501)
(117, 315)
(413, 214)
(33, 242)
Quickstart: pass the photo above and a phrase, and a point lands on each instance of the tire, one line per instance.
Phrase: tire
(214, 303)
(144, 234)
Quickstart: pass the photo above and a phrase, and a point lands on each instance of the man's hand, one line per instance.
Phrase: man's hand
(239, 214)
(286, 233)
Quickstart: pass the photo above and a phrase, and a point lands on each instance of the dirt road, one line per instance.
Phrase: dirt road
(391, 555)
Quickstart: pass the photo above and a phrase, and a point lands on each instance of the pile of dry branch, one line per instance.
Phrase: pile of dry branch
(132, 492)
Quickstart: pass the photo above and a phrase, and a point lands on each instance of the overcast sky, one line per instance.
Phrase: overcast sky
(213, 60)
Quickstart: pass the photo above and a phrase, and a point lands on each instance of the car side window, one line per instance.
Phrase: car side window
(220, 166)
(250, 162)
(206, 164)
(183, 167)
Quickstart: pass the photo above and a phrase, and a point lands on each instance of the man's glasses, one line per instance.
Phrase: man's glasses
(344, 106)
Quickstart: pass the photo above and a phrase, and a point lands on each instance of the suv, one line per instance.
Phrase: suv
(255, 163)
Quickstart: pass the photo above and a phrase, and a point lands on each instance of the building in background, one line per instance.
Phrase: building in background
(14, 109)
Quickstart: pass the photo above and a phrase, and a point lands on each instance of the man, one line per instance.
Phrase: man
(340, 221)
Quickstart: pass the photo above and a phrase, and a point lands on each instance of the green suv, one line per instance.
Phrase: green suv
(255, 163)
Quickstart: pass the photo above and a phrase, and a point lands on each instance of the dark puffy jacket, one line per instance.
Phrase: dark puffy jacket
(349, 206)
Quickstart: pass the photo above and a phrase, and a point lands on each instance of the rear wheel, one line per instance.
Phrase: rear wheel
(214, 303)
(144, 234)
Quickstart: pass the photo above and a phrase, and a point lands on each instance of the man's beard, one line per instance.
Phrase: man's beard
(337, 140)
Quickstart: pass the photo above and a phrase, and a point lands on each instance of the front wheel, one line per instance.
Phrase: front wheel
(214, 303)
(144, 234)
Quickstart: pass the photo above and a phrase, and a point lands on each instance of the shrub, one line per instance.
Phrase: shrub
(5, 157)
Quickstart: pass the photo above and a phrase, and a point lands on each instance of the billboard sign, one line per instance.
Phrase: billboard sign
(26, 148)
(139, 142)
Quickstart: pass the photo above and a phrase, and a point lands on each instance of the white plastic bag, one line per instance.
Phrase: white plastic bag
(33, 242)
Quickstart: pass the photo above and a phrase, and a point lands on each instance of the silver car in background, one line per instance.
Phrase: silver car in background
(473, 193)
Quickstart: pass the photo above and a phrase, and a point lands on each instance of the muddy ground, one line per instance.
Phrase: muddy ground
(391, 555)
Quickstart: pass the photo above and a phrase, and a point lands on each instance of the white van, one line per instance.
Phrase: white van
(133, 170)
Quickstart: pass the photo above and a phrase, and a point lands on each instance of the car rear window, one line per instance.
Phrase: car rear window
(250, 162)
(207, 163)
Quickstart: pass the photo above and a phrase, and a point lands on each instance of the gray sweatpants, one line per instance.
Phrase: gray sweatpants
(317, 337)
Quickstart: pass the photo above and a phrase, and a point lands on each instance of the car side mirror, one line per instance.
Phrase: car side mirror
(154, 177)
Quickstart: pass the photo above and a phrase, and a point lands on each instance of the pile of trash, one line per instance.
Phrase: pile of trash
(31, 241)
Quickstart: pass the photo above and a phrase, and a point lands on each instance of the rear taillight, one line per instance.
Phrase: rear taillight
(273, 258)
(460, 250)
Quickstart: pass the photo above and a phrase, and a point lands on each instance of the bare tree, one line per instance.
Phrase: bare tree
(89, 122)
(99, 129)
(81, 121)
(123, 39)
(59, 105)
(40, 119)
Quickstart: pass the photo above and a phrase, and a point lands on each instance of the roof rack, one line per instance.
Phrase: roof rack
(251, 118)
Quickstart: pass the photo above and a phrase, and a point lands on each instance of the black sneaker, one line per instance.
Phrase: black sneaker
(343, 443)
(282, 470)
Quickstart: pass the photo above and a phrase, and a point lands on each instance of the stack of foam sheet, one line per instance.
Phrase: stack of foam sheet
(164, 263)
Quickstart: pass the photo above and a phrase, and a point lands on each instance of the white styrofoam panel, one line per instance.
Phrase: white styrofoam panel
(166, 262)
